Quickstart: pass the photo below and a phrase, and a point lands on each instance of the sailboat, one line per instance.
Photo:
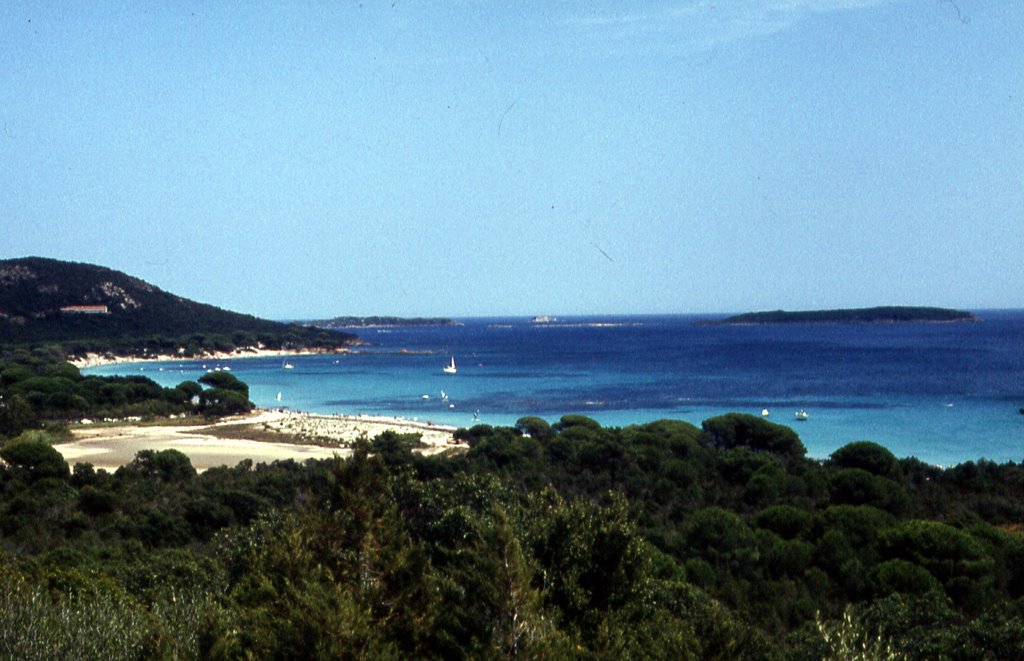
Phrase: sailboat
(450, 368)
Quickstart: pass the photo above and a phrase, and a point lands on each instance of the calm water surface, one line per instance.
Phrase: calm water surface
(942, 392)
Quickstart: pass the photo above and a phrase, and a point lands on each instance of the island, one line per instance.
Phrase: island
(876, 315)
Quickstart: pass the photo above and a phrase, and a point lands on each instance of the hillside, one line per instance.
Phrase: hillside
(877, 315)
(48, 300)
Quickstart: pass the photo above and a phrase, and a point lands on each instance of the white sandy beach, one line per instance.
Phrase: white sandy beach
(98, 360)
(109, 447)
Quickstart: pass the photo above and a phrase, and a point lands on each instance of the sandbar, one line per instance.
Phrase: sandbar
(110, 447)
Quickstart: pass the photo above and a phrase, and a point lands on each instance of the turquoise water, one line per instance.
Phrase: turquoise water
(944, 393)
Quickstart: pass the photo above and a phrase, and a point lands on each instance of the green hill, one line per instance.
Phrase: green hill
(52, 301)
(878, 315)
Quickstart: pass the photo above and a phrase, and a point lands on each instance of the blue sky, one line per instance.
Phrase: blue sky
(479, 158)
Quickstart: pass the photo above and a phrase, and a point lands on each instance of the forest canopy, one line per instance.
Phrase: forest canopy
(660, 540)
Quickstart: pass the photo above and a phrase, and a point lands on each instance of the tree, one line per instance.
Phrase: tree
(16, 415)
(894, 576)
(165, 465)
(856, 486)
(868, 456)
(784, 520)
(221, 401)
(535, 427)
(722, 538)
(225, 381)
(395, 448)
(954, 557)
(742, 430)
(573, 420)
(35, 460)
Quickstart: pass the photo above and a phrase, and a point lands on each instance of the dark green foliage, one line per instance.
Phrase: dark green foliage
(396, 448)
(927, 626)
(34, 460)
(16, 415)
(190, 389)
(221, 401)
(96, 502)
(576, 421)
(855, 486)
(565, 541)
(473, 435)
(534, 427)
(741, 430)
(223, 381)
(868, 456)
(894, 576)
(954, 557)
(785, 520)
(41, 389)
(722, 538)
(165, 465)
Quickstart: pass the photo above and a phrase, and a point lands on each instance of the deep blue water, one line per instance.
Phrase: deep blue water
(942, 392)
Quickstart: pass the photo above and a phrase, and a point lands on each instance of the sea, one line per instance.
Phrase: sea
(944, 393)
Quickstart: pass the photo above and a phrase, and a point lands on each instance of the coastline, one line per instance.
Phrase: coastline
(100, 360)
(320, 437)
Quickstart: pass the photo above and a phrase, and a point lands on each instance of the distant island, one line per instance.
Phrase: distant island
(378, 322)
(878, 315)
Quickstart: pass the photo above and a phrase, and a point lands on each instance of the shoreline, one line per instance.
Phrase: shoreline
(322, 437)
(102, 360)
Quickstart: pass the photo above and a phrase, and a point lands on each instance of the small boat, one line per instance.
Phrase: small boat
(765, 413)
(279, 397)
(288, 366)
(801, 415)
(450, 368)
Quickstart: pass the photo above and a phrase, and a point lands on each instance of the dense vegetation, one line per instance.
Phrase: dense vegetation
(571, 540)
(39, 389)
(140, 318)
(878, 315)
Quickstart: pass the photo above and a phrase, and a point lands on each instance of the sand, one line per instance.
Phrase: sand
(109, 447)
(97, 360)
